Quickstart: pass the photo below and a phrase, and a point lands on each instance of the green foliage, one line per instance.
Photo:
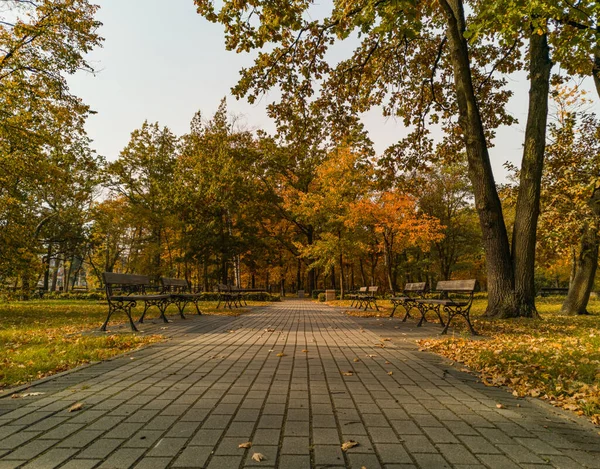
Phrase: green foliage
(48, 170)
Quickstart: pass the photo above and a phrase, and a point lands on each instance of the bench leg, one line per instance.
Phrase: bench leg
(181, 304)
(197, 308)
(162, 306)
(103, 326)
(120, 306)
(131, 323)
(141, 319)
(394, 309)
(407, 315)
(465, 314)
(424, 309)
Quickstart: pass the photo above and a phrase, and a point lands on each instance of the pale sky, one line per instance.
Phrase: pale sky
(164, 64)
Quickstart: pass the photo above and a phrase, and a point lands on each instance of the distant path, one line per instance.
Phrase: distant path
(218, 382)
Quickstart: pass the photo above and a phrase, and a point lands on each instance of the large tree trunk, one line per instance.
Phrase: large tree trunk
(502, 301)
(528, 200)
(586, 264)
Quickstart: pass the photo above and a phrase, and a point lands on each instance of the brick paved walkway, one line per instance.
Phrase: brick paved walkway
(218, 382)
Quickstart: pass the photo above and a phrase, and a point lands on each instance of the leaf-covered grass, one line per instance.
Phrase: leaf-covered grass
(556, 358)
(44, 337)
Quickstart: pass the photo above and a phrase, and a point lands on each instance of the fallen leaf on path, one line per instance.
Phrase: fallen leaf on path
(248, 444)
(356, 360)
(349, 444)
(347, 373)
(387, 339)
(76, 407)
(500, 406)
(281, 354)
(387, 363)
(390, 373)
(269, 330)
(258, 457)
(305, 351)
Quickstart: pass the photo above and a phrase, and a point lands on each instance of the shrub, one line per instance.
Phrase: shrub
(321, 297)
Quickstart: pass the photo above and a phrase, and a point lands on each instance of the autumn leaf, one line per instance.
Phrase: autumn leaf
(76, 407)
(247, 444)
(258, 457)
(349, 444)
(281, 354)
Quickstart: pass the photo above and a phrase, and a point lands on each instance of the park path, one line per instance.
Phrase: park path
(219, 382)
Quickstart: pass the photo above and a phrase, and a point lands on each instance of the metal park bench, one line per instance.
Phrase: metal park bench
(124, 291)
(356, 295)
(407, 300)
(549, 291)
(229, 296)
(452, 306)
(180, 294)
(367, 297)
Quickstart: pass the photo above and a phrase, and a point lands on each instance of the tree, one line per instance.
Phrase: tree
(143, 174)
(217, 191)
(40, 43)
(402, 49)
(344, 177)
(445, 193)
(397, 225)
(571, 195)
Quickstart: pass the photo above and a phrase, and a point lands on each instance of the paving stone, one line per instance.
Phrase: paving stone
(81, 464)
(497, 461)
(190, 401)
(193, 456)
(295, 445)
(153, 463)
(122, 458)
(392, 453)
(31, 450)
(426, 461)
(288, 461)
(359, 460)
(51, 459)
(457, 454)
(100, 449)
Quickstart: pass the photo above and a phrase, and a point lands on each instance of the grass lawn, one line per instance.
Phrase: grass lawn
(556, 358)
(44, 337)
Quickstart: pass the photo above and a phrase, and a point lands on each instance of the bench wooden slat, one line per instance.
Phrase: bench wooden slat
(125, 279)
(456, 285)
(174, 282)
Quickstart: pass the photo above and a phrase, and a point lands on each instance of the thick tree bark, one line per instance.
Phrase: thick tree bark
(596, 69)
(528, 199)
(586, 264)
(502, 301)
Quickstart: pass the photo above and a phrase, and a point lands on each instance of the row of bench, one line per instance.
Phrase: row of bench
(453, 297)
(124, 291)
